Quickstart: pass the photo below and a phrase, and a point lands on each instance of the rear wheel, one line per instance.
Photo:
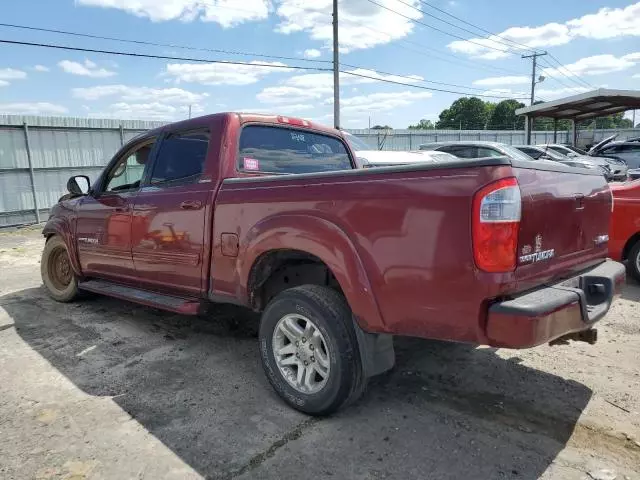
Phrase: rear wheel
(634, 261)
(310, 351)
(56, 271)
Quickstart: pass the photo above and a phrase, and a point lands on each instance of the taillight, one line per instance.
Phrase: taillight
(299, 122)
(496, 222)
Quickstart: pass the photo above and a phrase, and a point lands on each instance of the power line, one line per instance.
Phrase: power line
(459, 27)
(553, 77)
(409, 77)
(161, 57)
(472, 24)
(386, 80)
(439, 29)
(230, 62)
(155, 44)
(571, 75)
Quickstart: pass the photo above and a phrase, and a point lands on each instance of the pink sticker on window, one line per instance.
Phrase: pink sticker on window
(251, 164)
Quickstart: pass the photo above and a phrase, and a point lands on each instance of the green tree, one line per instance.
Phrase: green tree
(465, 113)
(381, 127)
(423, 125)
(504, 116)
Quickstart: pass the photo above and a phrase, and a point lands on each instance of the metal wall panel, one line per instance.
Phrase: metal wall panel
(62, 147)
(13, 151)
(15, 191)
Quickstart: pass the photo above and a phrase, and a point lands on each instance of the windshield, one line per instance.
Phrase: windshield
(355, 143)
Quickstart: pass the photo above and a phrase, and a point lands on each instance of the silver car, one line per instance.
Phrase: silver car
(626, 150)
(477, 149)
(613, 170)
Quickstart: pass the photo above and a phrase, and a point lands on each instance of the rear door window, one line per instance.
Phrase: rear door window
(285, 151)
(484, 152)
(180, 159)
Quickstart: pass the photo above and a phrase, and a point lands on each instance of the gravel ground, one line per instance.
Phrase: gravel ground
(102, 389)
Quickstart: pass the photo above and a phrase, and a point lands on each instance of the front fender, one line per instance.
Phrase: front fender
(323, 239)
(61, 223)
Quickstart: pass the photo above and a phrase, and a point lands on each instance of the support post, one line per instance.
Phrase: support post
(528, 123)
(555, 130)
(336, 68)
(574, 133)
(121, 135)
(36, 207)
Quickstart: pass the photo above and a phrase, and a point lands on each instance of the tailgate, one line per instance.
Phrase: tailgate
(564, 223)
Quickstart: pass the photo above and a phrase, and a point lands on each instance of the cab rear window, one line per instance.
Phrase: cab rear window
(282, 150)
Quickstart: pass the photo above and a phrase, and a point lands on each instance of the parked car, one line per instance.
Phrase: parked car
(476, 149)
(612, 171)
(366, 157)
(624, 233)
(626, 150)
(566, 150)
(271, 213)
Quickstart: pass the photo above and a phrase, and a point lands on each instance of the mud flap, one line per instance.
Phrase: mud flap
(376, 351)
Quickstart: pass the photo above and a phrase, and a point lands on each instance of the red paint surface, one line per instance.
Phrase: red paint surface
(625, 220)
(398, 242)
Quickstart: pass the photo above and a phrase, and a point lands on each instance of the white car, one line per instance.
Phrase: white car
(366, 157)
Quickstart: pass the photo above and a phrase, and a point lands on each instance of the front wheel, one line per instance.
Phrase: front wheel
(310, 351)
(56, 271)
(634, 261)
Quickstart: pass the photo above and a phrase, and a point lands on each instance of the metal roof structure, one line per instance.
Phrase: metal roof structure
(584, 106)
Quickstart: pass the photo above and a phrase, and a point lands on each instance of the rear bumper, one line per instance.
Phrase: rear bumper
(548, 313)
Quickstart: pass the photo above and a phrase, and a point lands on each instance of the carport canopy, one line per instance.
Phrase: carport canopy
(597, 103)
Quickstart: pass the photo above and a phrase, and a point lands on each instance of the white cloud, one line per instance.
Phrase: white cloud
(41, 68)
(380, 102)
(314, 86)
(227, 13)
(3, 83)
(606, 23)
(554, 93)
(147, 111)
(222, 73)
(86, 69)
(595, 65)
(12, 74)
(637, 75)
(362, 23)
(37, 108)
(312, 53)
(507, 80)
(139, 94)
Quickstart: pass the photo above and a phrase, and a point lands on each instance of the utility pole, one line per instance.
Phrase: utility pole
(336, 68)
(534, 57)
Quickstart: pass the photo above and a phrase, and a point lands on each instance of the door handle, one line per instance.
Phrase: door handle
(191, 205)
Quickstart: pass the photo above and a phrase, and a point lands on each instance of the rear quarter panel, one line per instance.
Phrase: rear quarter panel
(408, 231)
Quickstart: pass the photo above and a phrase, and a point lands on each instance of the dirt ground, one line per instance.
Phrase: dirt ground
(103, 389)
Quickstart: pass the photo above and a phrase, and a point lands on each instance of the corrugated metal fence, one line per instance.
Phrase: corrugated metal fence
(39, 154)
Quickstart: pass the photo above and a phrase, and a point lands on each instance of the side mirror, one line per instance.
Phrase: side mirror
(79, 185)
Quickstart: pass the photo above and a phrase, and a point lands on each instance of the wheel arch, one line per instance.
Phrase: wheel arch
(304, 243)
(635, 238)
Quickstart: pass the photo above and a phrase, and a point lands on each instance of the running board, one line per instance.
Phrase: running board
(185, 306)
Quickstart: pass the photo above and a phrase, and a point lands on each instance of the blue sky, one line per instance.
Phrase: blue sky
(597, 42)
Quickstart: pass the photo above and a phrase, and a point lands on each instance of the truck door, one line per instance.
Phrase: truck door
(103, 228)
(170, 215)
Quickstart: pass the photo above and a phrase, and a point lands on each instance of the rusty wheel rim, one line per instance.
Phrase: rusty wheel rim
(60, 272)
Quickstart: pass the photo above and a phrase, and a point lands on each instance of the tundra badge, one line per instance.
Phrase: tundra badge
(538, 255)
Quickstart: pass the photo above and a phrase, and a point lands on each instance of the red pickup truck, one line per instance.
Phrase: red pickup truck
(624, 234)
(271, 213)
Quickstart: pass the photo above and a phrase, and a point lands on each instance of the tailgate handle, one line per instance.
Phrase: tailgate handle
(579, 201)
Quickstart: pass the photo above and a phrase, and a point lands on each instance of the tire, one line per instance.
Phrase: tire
(331, 316)
(57, 275)
(634, 261)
